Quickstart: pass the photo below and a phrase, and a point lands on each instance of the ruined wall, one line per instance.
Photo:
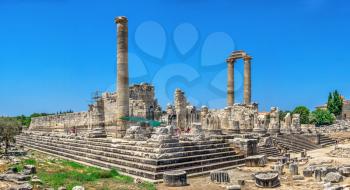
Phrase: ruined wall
(238, 115)
(103, 111)
(346, 110)
(110, 107)
(61, 122)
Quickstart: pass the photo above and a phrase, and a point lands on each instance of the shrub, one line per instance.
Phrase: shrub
(322, 117)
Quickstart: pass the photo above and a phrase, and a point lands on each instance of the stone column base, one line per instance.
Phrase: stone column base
(259, 130)
(274, 131)
(285, 131)
(246, 130)
(215, 131)
(232, 131)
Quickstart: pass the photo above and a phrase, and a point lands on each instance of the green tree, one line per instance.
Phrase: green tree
(39, 115)
(304, 114)
(25, 121)
(335, 103)
(9, 128)
(322, 117)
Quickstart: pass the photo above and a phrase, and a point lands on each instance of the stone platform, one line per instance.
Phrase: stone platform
(146, 160)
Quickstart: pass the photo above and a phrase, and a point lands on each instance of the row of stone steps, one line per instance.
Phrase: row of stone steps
(269, 151)
(148, 147)
(108, 157)
(215, 155)
(215, 150)
(295, 142)
(326, 141)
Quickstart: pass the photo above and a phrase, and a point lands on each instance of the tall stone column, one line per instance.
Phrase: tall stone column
(122, 75)
(230, 82)
(247, 79)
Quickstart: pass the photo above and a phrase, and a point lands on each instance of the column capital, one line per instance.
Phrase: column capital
(247, 58)
(230, 60)
(121, 20)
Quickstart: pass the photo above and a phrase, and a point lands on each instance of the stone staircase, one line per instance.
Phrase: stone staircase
(326, 141)
(269, 151)
(145, 160)
(294, 142)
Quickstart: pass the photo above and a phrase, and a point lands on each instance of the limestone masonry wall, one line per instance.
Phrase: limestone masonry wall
(103, 111)
(78, 119)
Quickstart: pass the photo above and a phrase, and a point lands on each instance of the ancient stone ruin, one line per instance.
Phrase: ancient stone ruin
(117, 131)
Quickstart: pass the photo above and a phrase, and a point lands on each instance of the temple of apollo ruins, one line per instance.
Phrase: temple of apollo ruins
(190, 139)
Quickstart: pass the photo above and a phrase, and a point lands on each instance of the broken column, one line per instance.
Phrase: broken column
(318, 174)
(219, 177)
(274, 125)
(296, 127)
(247, 79)
(293, 169)
(286, 125)
(230, 81)
(267, 179)
(122, 75)
(180, 103)
(260, 125)
(204, 120)
(278, 168)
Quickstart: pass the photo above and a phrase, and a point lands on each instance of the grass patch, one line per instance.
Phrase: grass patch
(124, 179)
(72, 164)
(147, 186)
(29, 162)
(59, 172)
(20, 166)
(74, 174)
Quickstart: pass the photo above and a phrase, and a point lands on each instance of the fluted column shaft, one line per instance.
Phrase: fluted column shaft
(247, 79)
(122, 75)
(230, 82)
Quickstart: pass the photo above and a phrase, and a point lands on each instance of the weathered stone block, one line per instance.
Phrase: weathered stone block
(298, 177)
(308, 172)
(175, 178)
(233, 187)
(345, 171)
(256, 161)
(333, 177)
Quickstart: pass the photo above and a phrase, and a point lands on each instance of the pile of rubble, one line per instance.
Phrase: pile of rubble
(330, 175)
(21, 180)
(26, 179)
(339, 125)
(340, 152)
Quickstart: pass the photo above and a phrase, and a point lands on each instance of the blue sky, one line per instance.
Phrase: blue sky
(55, 53)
